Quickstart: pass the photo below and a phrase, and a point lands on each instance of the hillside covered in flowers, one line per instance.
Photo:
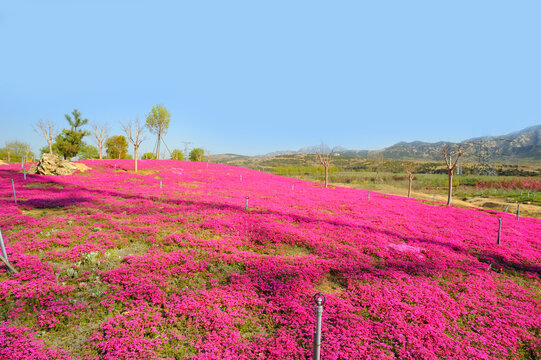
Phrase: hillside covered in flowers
(190, 260)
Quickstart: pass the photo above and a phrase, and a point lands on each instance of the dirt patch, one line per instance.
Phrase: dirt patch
(140, 171)
(501, 205)
(296, 250)
(82, 167)
(40, 213)
(45, 185)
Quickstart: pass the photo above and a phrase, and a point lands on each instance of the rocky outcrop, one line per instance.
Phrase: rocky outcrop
(50, 164)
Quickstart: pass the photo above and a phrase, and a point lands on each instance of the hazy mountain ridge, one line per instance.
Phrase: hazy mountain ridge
(523, 144)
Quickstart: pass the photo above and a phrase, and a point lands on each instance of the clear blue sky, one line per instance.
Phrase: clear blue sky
(251, 77)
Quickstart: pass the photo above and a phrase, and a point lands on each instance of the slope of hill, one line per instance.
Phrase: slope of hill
(194, 262)
(524, 145)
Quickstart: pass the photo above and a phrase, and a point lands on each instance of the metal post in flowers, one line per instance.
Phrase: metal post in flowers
(161, 184)
(14, 195)
(319, 299)
(247, 203)
(518, 210)
(499, 230)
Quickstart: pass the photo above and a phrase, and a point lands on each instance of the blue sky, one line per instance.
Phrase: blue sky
(251, 77)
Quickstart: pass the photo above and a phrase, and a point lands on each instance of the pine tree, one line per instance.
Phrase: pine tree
(70, 141)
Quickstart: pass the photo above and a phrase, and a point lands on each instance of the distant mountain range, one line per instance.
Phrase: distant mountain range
(524, 144)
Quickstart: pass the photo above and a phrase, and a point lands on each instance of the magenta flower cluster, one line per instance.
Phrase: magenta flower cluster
(135, 270)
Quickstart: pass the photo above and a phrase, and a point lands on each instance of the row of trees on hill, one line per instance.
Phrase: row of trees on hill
(69, 143)
(16, 151)
(450, 156)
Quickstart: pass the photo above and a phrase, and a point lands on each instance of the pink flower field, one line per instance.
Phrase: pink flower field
(114, 266)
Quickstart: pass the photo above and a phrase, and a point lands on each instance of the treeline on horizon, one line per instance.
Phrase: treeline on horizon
(70, 142)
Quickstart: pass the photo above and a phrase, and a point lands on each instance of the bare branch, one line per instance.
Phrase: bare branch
(101, 133)
(325, 160)
(136, 138)
(48, 130)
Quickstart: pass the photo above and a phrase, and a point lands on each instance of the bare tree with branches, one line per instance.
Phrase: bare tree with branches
(324, 160)
(100, 132)
(448, 155)
(410, 169)
(48, 130)
(207, 153)
(136, 137)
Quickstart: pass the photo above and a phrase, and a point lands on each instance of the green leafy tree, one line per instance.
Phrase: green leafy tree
(45, 150)
(15, 151)
(148, 156)
(197, 154)
(177, 155)
(70, 140)
(88, 152)
(116, 147)
(157, 122)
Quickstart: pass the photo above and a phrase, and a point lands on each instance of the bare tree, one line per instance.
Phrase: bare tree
(410, 170)
(101, 133)
(207, 153)
(136, 138)
(48, 130)
(324, 160)
(451, 166)
(379, 164)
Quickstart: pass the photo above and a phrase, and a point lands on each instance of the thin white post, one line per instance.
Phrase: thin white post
(499, 230)
(14, 195)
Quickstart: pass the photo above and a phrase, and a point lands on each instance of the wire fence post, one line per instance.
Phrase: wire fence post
(247, 203)
(319, 299)
(14, 195)
(518, 209)
(499, 230)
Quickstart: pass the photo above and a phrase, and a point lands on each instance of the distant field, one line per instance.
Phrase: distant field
(522, 184)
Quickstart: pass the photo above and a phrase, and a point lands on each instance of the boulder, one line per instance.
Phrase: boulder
(50, 164)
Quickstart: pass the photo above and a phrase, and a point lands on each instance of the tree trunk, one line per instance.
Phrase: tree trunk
(9, 156)
(50, 147)
(450, 193)
(326, 171)
(409, 185)
(158, 148)
(135, 157)
(100, 146)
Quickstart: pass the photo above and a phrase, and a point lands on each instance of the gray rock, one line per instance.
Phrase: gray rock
(50, 164)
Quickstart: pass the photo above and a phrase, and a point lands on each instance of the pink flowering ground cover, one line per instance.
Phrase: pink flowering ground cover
(114, 266)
